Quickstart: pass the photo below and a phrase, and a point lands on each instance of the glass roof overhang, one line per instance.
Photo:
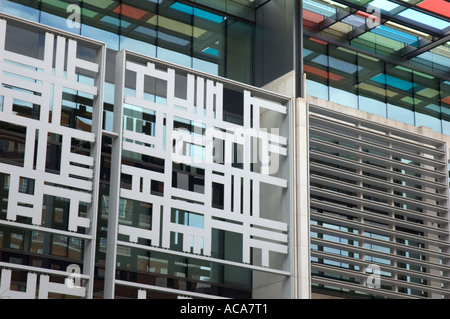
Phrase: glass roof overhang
(414, 33)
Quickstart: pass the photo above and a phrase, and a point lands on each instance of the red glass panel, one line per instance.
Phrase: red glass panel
(311, 19)
(323, 73)
(441, 7)
(130, 12)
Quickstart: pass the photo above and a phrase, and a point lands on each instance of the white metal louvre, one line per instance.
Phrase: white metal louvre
(379, 196)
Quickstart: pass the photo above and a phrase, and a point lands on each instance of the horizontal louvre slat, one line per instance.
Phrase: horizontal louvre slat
(376, 170)
(325, 125)
(379, 195)
(375, 158)
(385, 243)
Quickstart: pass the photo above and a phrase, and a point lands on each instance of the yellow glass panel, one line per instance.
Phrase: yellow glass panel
(409, 30)
(376, 89)
(429, 93)
(341, 27)
(64, 5)
(99, 3)
(176, 26)
(368, 57)
(442, 50)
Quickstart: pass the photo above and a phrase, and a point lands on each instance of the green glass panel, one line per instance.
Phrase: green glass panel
(57, 3)
(359, 3)
(378, 40)
(99, 3)
(88, 13)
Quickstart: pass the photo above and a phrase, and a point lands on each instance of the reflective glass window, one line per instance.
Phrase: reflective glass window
(344, 63)
(28, 10)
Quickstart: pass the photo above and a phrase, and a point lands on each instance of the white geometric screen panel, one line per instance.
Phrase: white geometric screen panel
(192, 130)
(50, 118)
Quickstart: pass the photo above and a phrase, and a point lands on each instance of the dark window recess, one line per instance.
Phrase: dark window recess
(12, 143)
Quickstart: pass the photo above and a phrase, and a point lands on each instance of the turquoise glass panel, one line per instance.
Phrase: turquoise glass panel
(394, 82)
(395, 34)
(423, 18)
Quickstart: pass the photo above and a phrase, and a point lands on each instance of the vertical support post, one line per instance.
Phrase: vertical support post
(96, 149)
(302, 209)
(298, 48)
(114, 190)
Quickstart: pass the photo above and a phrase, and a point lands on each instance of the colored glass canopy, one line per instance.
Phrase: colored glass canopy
(414, 33)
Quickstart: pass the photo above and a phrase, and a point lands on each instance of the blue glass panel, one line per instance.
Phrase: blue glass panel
(445, 119)
(317, 89)
(425, 19)
(208, 15)
(428, 121)
(205, 66)
(146, 31)
(400, 114)
(182, 7)
(306, 52)
(111, 39)
(336, 64)
(355, 20)
(394, 82)
(197, 12)
(137, 46)
(19, 10)
(57, 22)
(115, 22)
(175, 57)
(173, 39)
(446, 127)
(395, 35)
(386, 6)
(211, 51)
(435, 58)
(343, 97)
(372, 106)
(319, 8)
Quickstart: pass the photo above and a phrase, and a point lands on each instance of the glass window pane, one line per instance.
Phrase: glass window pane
(29, 12)
(343, 63)
(424, 119)
(401, 114)
(399, 89)
(445, 103)
(372, 105)
(316, 68)
(426, 101)
(111, 39)
(317, 89)
(60, 22)
(372, 85)
(239, 51)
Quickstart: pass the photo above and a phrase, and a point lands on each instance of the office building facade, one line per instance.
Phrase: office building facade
(203, 149)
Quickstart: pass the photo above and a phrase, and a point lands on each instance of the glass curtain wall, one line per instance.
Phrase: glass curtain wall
(363, 82)
(390, 58)
(169, 30)
(165, 29)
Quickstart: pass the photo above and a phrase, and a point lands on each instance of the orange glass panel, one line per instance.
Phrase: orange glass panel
(322, 73)
(318, 41)
(130, 12)
(312, 19)
(446, 100)
(438, 6)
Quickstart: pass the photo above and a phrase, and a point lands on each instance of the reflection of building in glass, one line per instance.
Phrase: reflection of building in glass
(201, 149)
